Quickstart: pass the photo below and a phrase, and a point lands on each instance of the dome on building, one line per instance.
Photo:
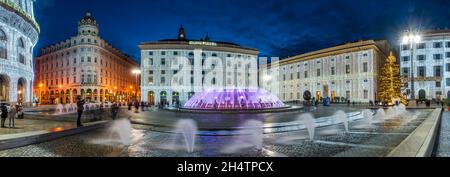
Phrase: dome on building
(88, 25)
(234, 99)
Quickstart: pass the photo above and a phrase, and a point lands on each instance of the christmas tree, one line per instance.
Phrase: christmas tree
(390, 82)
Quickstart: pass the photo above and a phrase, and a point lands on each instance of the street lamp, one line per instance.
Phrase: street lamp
(136, 72)
(412, 38)
(40, 93)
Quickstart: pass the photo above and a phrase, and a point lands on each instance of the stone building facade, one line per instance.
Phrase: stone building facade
(84, 65)
(18, 35)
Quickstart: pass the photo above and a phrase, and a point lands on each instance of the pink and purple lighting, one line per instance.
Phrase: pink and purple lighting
(234, 100)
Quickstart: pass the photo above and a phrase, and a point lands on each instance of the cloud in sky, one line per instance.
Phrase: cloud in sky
(276, 27)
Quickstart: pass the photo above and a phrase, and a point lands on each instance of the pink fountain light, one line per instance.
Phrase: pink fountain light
(235, 99)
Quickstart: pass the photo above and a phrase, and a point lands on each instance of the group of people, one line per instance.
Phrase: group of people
(12, 112)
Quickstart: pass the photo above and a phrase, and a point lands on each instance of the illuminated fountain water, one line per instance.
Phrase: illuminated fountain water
(59, 109)
(183, 137)
(74, 107)
(123, 129)
(234, 99)
(342, 118)
(250, 136)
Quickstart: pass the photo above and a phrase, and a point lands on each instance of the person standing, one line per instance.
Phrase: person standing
(4, 114)
(12, 116)
(80, 105)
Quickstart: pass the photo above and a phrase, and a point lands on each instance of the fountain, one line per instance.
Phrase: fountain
(184, 137)
(59, 108)
(74, 107)
(306, 121)
(122, 128)
(234, 99)
(250, 136)
(67, 107)
(380, 115)
(310, 123)
(342, 118)
(367, 121)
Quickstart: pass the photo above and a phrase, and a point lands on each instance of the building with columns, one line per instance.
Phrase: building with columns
(431, 60)
(18, 35)
(160, 63)
(84, 65)
(341, 73)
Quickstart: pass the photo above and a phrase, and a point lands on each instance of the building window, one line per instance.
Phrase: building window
(74, 79)
(347, 95)
(405, 47)
(163, 61)
(366, 94)
(175, 53)
(20, 50)
(437, 45)
(438, 84)
(318, 72)
(163, 53)
(421, 70)
(365, 67)
(447, 54)
(447, 67)
(405, 58)
(3, 45)
(82, 59)
(447, 82)
(347, 69)
(421, 46)
(405, 71)
(88, 59)
(333, 71)
(437, 71)
(150, 80)
(437, 56)
(421, 57)
(298, 75)
(306, 74)
(163, 80)
(150, 61)
(447, 44)
(150, 53)
(163, 72)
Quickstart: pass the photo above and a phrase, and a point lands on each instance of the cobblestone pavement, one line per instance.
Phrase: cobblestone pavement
(443, 144)
(377, 140)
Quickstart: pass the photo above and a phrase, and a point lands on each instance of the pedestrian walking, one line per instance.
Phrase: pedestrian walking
(12, 116)
(80, 105)
(4, 114)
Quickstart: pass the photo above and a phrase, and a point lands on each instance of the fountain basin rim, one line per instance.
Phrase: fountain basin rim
(237, 111)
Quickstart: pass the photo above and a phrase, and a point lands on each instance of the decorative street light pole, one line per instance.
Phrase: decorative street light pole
(412, 38)
(136, 72)
(40, 94)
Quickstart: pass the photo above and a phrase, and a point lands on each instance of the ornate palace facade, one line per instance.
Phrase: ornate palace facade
(431, 60)
(18, 35)
(222, 65)
(341, 73)
(84, 65)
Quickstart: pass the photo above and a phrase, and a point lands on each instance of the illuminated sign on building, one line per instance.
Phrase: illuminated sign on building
(202, 43)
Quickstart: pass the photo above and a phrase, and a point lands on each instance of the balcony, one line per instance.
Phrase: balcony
(421, 79)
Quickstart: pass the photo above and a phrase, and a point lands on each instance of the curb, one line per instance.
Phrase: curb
(29, 138)
(420, 143)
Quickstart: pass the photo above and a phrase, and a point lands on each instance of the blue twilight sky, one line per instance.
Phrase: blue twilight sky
(275, 27)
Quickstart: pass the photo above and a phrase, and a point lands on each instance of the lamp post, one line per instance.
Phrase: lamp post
(40, 94)
(412, 38)
(136, 72)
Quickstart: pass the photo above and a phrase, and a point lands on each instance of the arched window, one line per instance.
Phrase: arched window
(21, 50)
(3, 45)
